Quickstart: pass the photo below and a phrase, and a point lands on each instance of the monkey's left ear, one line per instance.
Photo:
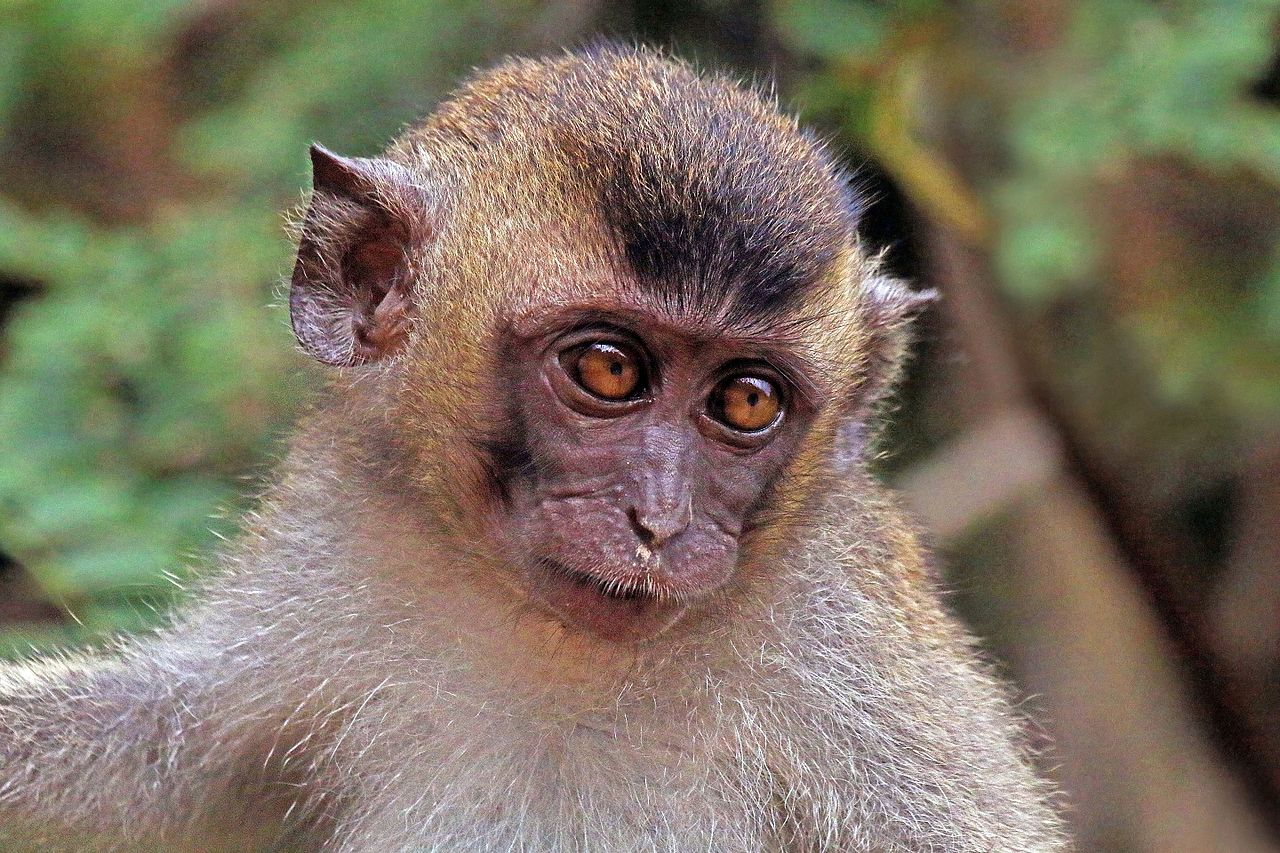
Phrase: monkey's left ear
(888, 309)
(349, 298)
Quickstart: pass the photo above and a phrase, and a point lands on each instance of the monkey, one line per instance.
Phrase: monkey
(578, 550)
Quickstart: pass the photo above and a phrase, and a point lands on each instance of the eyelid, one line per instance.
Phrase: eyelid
(796, 381)
(606, 333)
(780, 379)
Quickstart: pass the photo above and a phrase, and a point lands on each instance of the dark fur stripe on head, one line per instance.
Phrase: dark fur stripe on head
(712, 198)
(723, 231)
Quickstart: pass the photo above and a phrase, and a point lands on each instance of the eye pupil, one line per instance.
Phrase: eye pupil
(753, 398)
(616, 368)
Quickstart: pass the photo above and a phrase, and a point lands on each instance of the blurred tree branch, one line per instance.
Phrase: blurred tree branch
(1142, 774)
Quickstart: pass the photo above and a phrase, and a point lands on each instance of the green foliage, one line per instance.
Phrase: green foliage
(1132, 81)
(1134, 84)
(833, 29)
(136, 385)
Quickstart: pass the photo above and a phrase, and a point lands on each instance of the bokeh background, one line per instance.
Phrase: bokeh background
(1091, 430)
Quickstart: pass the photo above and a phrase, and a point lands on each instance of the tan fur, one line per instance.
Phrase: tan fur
(364, 675)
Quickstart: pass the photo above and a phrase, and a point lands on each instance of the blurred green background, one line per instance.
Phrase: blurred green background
(1091, 431)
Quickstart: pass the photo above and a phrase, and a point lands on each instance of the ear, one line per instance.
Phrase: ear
(350, 296)
(888, 309)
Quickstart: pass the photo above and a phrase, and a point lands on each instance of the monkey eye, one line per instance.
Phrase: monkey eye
(607, 370)
(745, 403)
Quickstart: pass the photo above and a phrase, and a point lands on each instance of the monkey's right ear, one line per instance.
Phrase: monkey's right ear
(349, 298)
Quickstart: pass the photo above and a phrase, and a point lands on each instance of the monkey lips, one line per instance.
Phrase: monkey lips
(617, 607)
(612, 606)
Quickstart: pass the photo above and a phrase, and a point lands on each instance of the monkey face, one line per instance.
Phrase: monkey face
(622, 411)
(638, 456)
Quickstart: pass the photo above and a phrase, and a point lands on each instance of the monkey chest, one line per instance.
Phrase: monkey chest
(586, 785)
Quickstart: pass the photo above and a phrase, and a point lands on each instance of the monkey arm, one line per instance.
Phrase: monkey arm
(119, 752)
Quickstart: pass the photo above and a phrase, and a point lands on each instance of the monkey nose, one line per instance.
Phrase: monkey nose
(654, 527)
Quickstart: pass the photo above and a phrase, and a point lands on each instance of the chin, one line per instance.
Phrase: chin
(623, 609)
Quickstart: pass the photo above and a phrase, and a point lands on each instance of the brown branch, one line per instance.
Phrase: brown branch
(1132, 623)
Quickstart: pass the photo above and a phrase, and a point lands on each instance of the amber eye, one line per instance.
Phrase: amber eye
(606, 370)
(746, 403)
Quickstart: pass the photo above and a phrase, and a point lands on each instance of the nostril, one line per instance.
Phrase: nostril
(655, 529)
(645, 534)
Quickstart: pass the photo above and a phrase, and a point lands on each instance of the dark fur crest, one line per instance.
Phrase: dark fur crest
(713, 199)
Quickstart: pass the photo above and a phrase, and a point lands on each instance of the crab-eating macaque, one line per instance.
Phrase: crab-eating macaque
(578, 552)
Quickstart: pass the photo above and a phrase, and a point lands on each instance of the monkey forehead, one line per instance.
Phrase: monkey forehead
(708, 194)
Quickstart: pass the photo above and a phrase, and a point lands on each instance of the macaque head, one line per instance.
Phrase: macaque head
(615, 324)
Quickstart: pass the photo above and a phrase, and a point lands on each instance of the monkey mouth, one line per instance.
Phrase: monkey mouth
(622, 608)
(619, 589)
